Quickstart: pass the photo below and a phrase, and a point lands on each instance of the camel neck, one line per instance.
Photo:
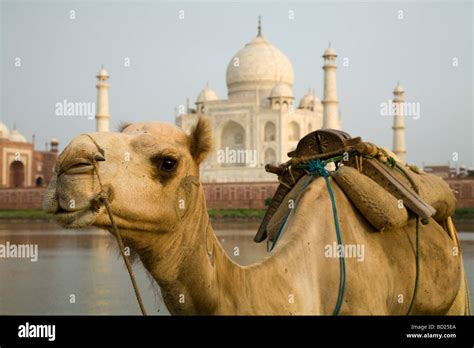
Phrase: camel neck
(189, 274)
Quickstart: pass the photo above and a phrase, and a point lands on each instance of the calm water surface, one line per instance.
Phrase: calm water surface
(86, 264)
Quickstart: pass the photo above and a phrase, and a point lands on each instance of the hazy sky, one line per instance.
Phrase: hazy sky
(172, 58)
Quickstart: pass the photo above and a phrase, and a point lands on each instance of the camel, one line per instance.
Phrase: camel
(151, 174)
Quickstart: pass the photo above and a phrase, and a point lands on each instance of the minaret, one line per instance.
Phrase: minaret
(102, 116)
(398, 123)
(330, 103)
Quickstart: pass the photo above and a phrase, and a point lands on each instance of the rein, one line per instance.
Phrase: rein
(103, 198)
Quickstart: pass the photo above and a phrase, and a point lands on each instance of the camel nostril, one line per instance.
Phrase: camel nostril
(99, 158)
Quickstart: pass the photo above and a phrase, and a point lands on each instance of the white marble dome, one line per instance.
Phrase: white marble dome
(307, 101)
(4, 132)
(206, 95)
(281, 90)
(15, 135)
(258, 65)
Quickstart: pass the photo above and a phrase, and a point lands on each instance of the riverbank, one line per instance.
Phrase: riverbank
(461, 216)
(27, 214)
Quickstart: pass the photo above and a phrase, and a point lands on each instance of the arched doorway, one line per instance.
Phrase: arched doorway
(270, 156)
(17, 174)
(39, 181)
(294, 131)
(270, 131)
(233, 145)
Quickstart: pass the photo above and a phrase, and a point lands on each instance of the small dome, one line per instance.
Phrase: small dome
(54, 141)
(281, 90)
(206, 95)
(307, 101)
(103, 73)
(329, 52)
(4, 132)
(398, 89)
(15, 135)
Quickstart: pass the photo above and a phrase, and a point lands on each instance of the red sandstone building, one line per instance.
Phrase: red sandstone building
(461, 182)
(20, 164)
(24, 171)
(239, 195)
(253, 194)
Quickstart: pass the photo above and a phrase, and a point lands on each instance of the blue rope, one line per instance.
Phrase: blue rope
(318, 167)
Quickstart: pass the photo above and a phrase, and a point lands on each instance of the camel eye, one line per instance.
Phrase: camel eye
(168, 164)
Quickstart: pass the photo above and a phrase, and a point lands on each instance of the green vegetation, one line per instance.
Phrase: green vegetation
(24, 214)
(464, 213)
(268, 201)
(461, 213)
(236, 213)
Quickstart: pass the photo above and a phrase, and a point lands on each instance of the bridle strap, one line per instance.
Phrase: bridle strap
(103, 197)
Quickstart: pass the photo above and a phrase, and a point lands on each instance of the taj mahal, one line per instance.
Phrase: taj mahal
(260, 121)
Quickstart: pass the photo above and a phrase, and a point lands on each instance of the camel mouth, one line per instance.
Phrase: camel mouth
(76, 219)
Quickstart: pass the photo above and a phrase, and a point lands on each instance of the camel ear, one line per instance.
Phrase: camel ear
(201, 139)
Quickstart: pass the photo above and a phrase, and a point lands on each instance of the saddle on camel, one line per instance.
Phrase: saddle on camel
(386, 192)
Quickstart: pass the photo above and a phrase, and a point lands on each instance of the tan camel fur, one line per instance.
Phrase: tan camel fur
(151, 174)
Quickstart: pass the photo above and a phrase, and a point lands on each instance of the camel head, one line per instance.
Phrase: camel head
(149, 172)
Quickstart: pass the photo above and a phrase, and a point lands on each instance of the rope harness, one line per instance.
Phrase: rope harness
(102, 197)
(318, 167)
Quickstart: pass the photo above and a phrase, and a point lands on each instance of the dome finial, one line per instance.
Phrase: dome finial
(259, 28)
(398, 88)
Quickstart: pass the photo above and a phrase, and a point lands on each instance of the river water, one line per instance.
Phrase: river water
(81, 272)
